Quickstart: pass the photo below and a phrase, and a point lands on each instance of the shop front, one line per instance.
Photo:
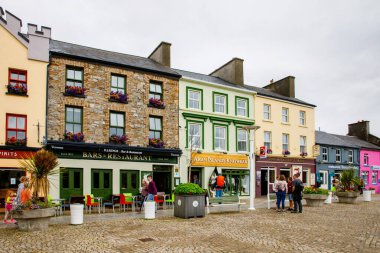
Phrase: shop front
(370, 169)
(10, 170)
(234, 168)
(267, 169)
(326, 173)
(104, 170)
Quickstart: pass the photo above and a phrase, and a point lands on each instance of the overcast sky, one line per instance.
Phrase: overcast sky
(331, 47)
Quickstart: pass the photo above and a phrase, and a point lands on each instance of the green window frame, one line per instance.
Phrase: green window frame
(246, 141)
(237, 99)
(215, 94)
(188, 89)
(155, 90)
(73, 122)
(155, 127)
(188, 123)
(74, 76)
(215, 125)
(71, 182)
(117, 123)
(118, 83)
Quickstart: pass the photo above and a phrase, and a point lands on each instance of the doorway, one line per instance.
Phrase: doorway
(196, 175)
(71, 182)
(323, 179)
(129, 181)
(9, 180)
(162, 176)
(101, 185)
(268, 176)
(285, 172)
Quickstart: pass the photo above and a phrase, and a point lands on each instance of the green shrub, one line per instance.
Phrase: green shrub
(188, 189)
(312, 190)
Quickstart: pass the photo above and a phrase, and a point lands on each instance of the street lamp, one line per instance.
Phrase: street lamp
(252, 164)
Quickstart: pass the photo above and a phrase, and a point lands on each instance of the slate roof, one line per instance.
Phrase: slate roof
(342, 140)
(260, 91)
(108, 57)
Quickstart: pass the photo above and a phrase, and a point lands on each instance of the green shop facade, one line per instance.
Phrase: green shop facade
(105, 169)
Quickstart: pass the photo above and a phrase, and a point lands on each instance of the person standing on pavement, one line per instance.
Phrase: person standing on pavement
(297, 193)
(275, 190)
(219, 185)
(281, 188)
(152, 189)
(144, 193)
(290, 194)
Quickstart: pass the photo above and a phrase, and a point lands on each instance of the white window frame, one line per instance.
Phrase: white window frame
(242, 141)
(374, 177)
(245, 108)
(350, 156)
(267, 111)
(303, 144)
(285, 115)
(366, 160)
(189, 98)
(338, 155)
(285, 137)
(193, 136)
(218, 148)
(302, 118)
(325, 154)
(220, 104)
(268, 141)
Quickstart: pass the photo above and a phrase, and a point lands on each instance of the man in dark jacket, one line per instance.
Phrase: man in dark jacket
(297, 193)
(152, 189)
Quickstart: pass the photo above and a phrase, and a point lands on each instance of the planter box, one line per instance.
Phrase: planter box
(315, 200)
(32, 220)
(189, 206)
(367, 195)
(347, 197)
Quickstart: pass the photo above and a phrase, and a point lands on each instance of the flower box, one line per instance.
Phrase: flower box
(17, 89)
(74, 91)
(118, 139)
(78, 137)
(303, 154)
(269, 151)
(15, 142)
(156, 143)
(118, 96)
(286, 152)
(156, 103)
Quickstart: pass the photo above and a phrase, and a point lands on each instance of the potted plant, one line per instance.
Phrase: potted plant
(156, 143)
(35, 214)
(269, 151)
(17, 89)
(118, 139)
(74, 91)
(15, 142)
(118, 96)
(156, 103)
(303, 154)
(286, 152)
(315, 196)
(347, 191)
(189, 201)
(69, 136)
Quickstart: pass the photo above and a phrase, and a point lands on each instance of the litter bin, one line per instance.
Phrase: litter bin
(329, 198)
(367, 195)
(76, 211)
(150, 209)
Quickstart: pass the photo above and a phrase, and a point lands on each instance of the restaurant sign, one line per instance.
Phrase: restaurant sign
(115, 157)
(342, 167)
(374, 167)
(219, 160)
(11, 154)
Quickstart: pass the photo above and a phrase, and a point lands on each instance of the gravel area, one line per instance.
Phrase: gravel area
(331, 228)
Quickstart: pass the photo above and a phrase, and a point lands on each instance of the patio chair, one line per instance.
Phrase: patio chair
(90, 202)
(56, 204)
(129, 200)
(160, 198)
(66, 204)
(114, 200)
(170, 201)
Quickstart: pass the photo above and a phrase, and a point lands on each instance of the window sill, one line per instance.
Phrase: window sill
(117, 101)
(70, 95)
(268, 120)
(16, 94)
(303, 126)
(157, 107)
(285, 123)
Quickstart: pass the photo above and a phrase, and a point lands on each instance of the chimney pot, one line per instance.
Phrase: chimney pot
(161, 54)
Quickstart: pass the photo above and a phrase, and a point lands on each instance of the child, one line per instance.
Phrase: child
(8, 207)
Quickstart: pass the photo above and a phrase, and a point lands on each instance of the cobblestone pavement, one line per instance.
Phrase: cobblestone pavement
(331, 228)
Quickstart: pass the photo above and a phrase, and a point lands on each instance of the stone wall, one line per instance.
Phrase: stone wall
(96, 107)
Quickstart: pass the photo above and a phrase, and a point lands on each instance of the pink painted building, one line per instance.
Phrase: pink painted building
(370, 168)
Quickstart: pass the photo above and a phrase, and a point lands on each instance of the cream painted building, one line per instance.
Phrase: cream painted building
(287, 130)
(213, 114)
(23, 72)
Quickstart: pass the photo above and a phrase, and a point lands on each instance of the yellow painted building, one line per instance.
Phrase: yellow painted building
(287, 130)
(23, 74)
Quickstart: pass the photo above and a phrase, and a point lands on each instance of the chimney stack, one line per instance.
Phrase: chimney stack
(39, 42)
(283, 87)
(231, 72)
(161, 54)
(359, 129)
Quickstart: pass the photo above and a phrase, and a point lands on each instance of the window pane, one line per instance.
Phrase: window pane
(20, 123)
(77, 128)
(134, 180)
(21, 135)
(14, 76)
(96, 179)
(12, 122)
(70, 74)
(113, 119)
(121, 82)
(77, 115)
(119, 131)
(78, 75)
(124, 180)
(22, 77)
(120, 120)
(113, 130)
(65, 180)
(157, 135)
(158, 124)
(11, 134)
(151, 134)
(106, 180)
(69, 114)
(152, 87)
(158, 88)
(69, 127)
(77, 179)
(114, 81)
(152, 123)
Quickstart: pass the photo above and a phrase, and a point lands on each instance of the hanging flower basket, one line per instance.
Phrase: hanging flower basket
(269, 151)
(286, 152)
(118, 139)
(74, 91)
(118, 96)
(156, 103)
(156, 143)
(15, 142)
(17, 89)
(78, 137)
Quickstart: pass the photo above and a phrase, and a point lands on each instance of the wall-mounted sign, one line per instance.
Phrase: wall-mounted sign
(8, 154)
(312, 178)
(342, 167)
(316, 150)
(13, 180)
(375, 167)
(297, 169)
(219, 160)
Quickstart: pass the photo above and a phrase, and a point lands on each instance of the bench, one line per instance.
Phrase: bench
(226, 201)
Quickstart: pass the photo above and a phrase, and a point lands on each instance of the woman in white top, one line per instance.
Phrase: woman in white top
(281, 189)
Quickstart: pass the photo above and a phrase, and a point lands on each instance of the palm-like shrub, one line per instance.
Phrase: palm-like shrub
(348, 180)
(40, 166)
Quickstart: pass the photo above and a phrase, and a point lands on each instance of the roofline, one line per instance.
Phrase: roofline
(327, 144)
(115, 64)
(289, 101)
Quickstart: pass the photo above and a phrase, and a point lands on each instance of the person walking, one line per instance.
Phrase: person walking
(297, 193)
(144, 193)
(152, 189)
(290, 194)
(10, 198)
(219, 185)
(281, 188)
